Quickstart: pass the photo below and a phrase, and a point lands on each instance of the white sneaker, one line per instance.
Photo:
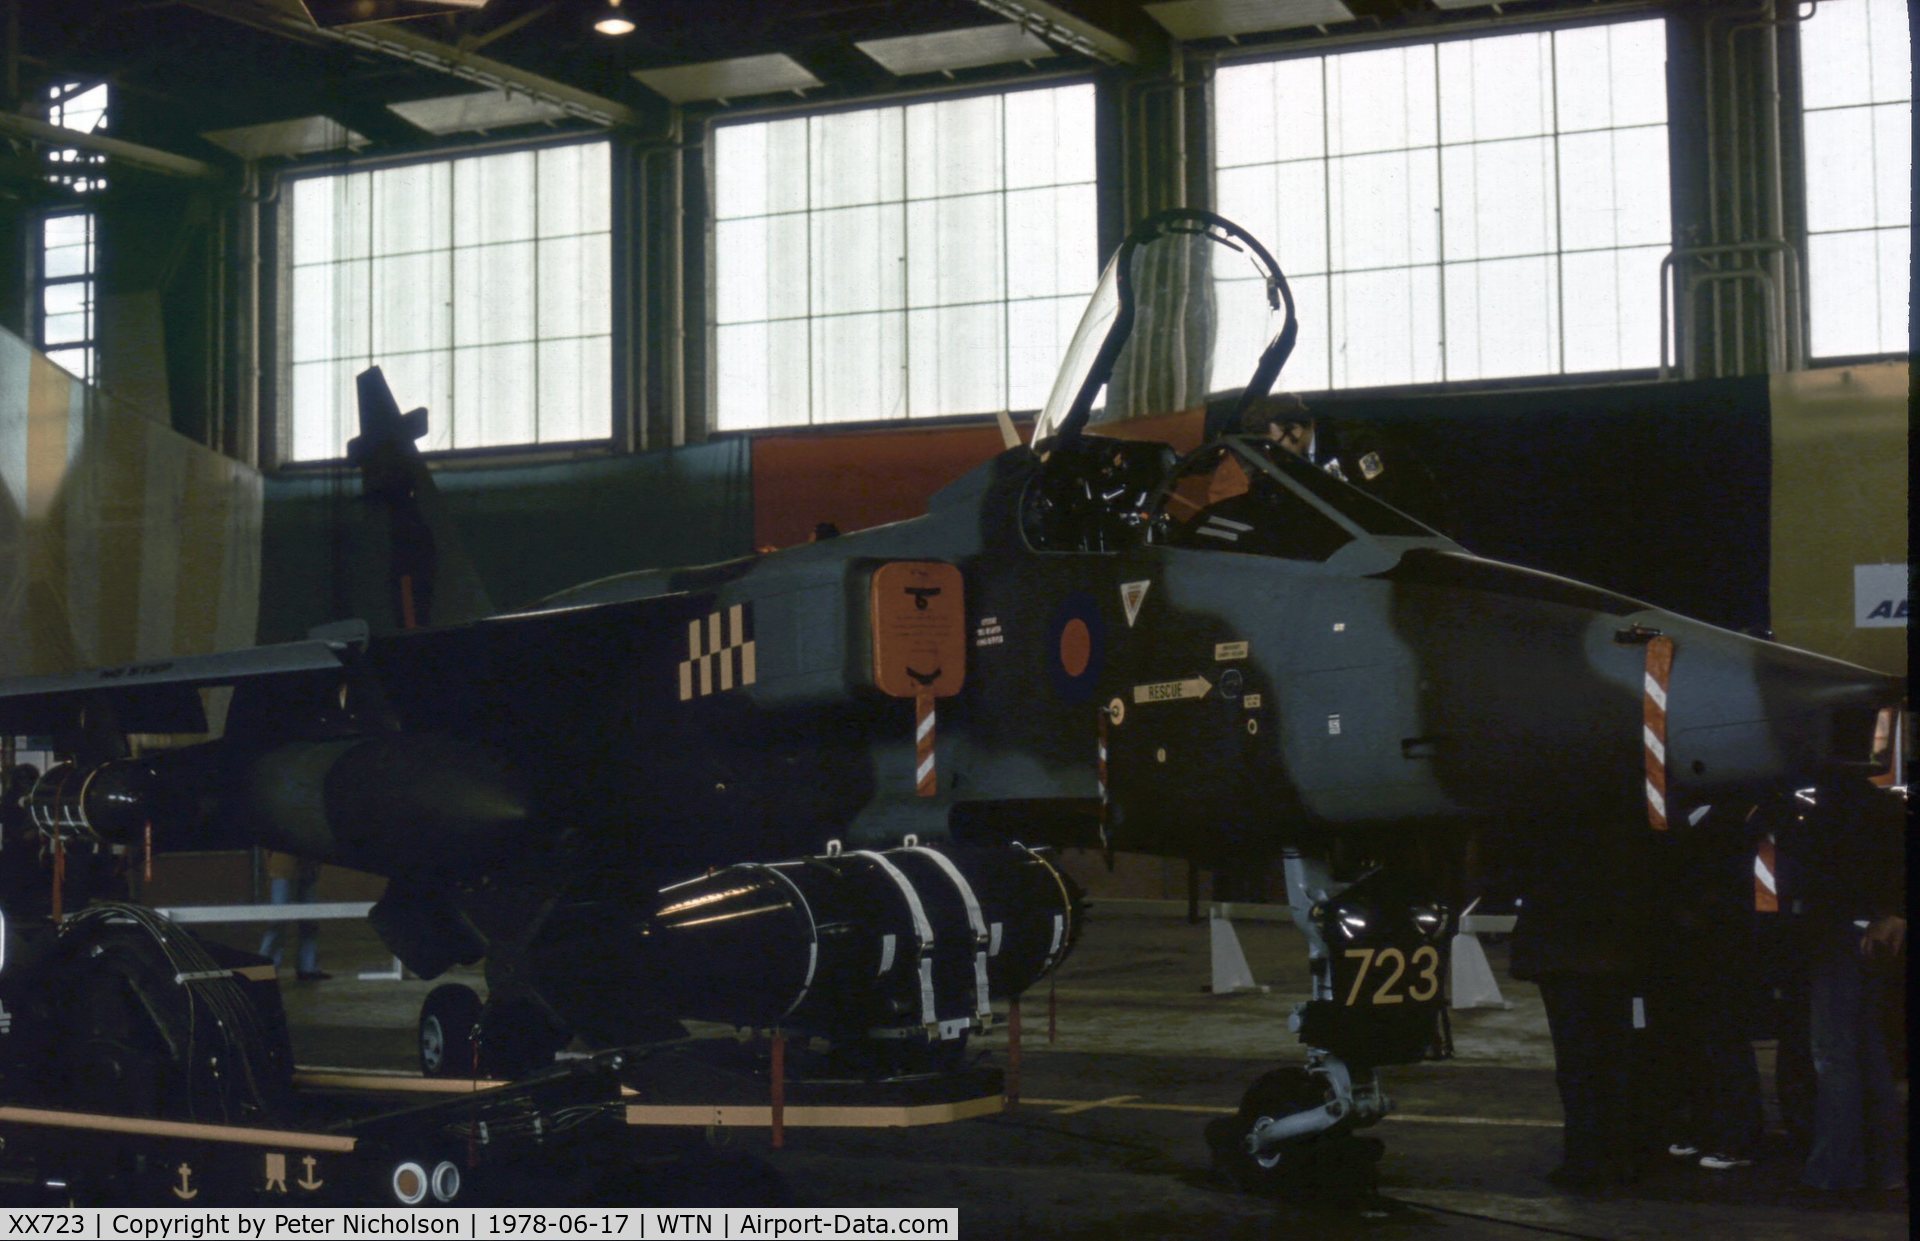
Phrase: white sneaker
(1722, 1163)
(1683, 1150)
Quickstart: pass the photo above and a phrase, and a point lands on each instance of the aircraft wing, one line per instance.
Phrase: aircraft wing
(155, 696)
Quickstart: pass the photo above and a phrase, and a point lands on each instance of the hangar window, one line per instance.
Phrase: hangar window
(1856, 90)
(899, 262)
(64, 321)
(1464, 210)
(480, 285)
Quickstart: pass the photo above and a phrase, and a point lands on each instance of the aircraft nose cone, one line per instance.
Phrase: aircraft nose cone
(1751, 714)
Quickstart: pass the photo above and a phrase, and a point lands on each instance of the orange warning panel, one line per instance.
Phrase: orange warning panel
(919, 614)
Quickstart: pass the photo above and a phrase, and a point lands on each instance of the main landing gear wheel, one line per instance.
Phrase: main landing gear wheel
(448, 1022)
(1334, 1167)
(461, 1037)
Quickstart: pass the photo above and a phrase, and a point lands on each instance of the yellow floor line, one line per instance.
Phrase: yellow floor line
(1074, 1109)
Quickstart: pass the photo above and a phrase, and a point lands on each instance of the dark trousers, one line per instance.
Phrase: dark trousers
(1857, 1122)
(1590, 1017)
(1702, 1078)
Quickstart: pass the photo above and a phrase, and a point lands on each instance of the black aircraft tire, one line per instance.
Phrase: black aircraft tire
(1320, 1166)
(447, 1021)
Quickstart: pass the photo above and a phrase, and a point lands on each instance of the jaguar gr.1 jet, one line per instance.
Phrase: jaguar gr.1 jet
(1123, 633)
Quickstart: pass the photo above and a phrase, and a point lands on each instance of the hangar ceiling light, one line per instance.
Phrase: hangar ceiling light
(613, 21)
(728, 79)
(998, 44)
(476, 111)
(306, 135)
(1215, 19)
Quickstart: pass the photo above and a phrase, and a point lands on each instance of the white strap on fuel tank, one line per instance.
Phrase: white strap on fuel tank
(974, 919)
(922, 930)
(813, 939)
(1063, 921)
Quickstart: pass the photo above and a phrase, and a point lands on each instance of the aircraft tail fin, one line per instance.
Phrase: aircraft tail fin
(412, 571)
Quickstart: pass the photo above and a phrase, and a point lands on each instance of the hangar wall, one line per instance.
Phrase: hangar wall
(120, 540)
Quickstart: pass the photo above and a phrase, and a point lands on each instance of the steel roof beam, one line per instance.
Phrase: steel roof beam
(393, 41)
(1067, 30)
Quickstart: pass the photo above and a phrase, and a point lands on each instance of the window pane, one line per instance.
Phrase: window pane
(860, 378)
(957, 354)
(1840, 169)
(950, 238)
(1833, 44)
(1858, 301)
(1050, 137)
(1496, 88)
(1386, 327)
(491, 287)
(763, 376)
(856, 158)
(494, 386)
(954, 147)
(1613, 188)
(760, 268)
(1611, 320)
(1500, 198)
(1611, 76)
(576, 291)
(493, 198)
(1038, 333)
(856, 260)
(1385, 209)
(412, 303)
(411, 208)
(576, 195)
(575, 390)
(323, 398)
(1380, 101)
(763, 167)
(1050, 249)
(1503, 318)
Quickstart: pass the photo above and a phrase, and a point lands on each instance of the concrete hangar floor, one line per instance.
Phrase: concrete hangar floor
(1108, 1139)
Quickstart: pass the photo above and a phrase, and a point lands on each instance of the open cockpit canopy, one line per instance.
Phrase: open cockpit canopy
(1189, 301)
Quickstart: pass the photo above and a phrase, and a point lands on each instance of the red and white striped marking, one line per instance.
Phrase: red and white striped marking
(1766, 888)
(1100, 776)
(923, 774)
(1654, 727)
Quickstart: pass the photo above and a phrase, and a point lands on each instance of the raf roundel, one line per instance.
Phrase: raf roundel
(1076, 648)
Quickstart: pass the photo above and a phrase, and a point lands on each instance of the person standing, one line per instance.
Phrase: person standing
(1579, 937)
(291, 881)
(1843, 870)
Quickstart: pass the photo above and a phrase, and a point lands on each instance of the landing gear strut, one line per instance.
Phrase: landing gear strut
(1379, 988)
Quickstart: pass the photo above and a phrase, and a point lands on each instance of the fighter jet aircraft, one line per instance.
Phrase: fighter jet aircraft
(1124, 632)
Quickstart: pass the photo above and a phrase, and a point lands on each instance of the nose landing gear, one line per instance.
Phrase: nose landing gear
(1379, 990)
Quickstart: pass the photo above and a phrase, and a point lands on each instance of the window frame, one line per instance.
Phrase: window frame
(1104, 190)
(275, 306)
(1285, 48)
(1794, 171)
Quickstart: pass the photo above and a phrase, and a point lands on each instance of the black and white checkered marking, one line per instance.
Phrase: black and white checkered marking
(720, 653)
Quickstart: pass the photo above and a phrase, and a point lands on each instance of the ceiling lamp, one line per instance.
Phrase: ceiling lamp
(613, 21)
